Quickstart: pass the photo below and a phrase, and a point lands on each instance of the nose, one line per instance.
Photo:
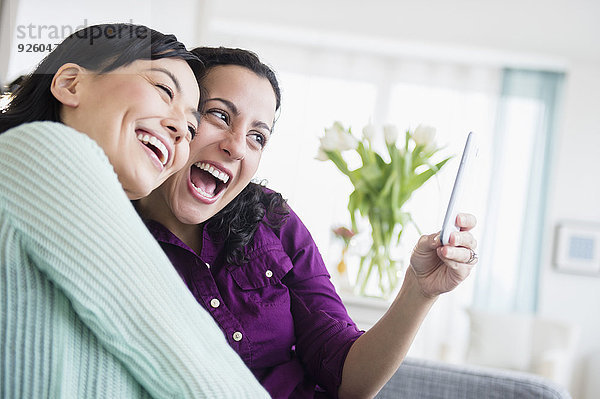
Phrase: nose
(234, 144)
(176, 125)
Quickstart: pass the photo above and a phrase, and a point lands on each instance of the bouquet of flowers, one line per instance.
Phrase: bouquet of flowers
(382, 185)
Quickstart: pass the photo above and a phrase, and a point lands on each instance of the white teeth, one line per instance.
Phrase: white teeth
(224, 177)
(162, 149)
(202, 192)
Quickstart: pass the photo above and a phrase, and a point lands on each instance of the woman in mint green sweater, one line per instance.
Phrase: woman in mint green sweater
(89, 304)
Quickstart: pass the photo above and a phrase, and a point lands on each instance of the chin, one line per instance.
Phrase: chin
(192, 215)
(140, 191)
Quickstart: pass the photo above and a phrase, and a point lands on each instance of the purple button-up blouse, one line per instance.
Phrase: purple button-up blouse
(279, 312)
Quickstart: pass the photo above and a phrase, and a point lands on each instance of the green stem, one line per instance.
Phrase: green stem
(360, 269)
(366, 279)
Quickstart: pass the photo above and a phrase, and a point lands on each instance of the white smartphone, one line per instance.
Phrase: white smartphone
(449, 224)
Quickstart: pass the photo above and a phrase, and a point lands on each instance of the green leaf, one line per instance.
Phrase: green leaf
(390, 181)
(395, 197)
(352, 206)
(369, 178)
(418, 180)
(338, 161)
(363, 152)
(393, 152)
(380, 161)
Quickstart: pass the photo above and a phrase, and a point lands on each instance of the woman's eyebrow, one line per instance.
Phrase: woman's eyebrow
(262, 125)
(228, 103)
(194, 112)
(170, 75)
(235, 111)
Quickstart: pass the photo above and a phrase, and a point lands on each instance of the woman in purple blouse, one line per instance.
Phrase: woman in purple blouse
(251, 262)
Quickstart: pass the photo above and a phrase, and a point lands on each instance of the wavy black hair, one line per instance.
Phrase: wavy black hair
(98, 48)
(255, 204)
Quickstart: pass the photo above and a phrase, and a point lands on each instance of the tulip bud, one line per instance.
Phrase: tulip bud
(348, 142)
(321, 155)
(425, 136)
(337, 138)
(390, 133)
(369, 132)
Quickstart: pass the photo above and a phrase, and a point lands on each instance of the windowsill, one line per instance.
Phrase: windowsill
(365, 311)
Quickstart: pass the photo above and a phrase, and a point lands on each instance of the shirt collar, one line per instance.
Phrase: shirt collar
(211, 245)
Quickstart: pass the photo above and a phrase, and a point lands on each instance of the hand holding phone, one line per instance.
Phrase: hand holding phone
(449, 224)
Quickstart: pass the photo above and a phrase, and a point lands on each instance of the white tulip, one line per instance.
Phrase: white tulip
(369, 132)
(424, 135)
(336, 138)
(321, 155)
(390, 133)
(348, 142)
(336, 129)
(329, 142)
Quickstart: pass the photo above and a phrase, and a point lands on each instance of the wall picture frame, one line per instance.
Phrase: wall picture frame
(577, 248)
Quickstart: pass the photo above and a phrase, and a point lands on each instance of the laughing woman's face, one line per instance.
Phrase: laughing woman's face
(142, 115)
(224, 156)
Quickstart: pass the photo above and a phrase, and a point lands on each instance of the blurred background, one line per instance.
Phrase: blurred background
(524, 75)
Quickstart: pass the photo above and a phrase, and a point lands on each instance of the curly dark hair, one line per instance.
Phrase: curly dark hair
(238, 221)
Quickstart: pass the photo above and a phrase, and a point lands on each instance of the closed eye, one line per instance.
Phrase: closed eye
(166, 89)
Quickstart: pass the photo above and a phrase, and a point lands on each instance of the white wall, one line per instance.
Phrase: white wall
(575, 195)
(563, 28)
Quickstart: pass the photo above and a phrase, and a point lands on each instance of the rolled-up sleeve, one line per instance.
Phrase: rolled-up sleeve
(324, 331)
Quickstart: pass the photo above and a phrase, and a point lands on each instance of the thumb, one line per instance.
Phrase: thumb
(428, 242)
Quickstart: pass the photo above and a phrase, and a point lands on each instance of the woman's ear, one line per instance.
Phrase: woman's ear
(66, 84)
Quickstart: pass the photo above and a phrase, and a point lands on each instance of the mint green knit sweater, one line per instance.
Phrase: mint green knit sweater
(90, 306)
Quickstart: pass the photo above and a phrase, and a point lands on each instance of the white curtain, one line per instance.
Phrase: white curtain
(524, 139)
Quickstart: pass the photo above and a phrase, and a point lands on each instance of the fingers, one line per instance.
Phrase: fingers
(465, 221)
(458, 255)
(462, 239)
(460, 251)
(456, 259)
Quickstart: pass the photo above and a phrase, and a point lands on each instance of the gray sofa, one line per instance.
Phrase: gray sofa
(425, 379)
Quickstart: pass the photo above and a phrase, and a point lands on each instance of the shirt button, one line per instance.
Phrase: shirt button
(215, 303)
(237, 336)
(269, 273)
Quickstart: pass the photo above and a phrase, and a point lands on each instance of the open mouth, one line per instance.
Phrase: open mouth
(207, 180)
(156, 146)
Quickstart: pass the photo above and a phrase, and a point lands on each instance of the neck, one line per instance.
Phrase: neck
(190, 234)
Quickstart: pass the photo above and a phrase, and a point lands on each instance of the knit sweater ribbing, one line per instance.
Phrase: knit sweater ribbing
(90, 305)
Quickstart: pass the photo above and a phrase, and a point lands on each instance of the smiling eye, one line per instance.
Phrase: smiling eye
(222, 115)
(259, 138)
(166, 89)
